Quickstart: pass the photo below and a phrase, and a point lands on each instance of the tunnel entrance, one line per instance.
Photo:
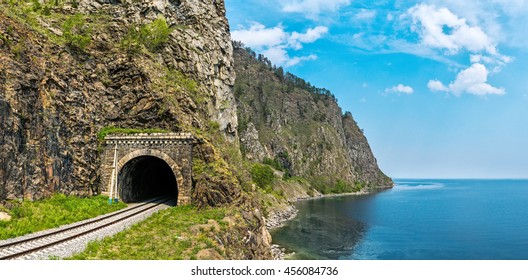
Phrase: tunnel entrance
(146, 177)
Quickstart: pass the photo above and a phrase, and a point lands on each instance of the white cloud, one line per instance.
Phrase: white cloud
(436, 85)
(400, 89)
(258, 36)
(274, 42)
(503, 20)
(313, 34)
(278, 55)
(497, 62)
(440, 28)
(473, 80)
(295, 60)
(312, 8)
(366, 15)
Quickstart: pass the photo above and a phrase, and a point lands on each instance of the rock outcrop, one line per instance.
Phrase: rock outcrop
(199, 46)
(302, 128)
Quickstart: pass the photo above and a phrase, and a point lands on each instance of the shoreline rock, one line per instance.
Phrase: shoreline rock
(278, 218)
(279, 253)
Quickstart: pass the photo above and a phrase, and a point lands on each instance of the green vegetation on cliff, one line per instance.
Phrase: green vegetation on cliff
(262, 175)
(300, 129)
(152, 36)
(76, 32)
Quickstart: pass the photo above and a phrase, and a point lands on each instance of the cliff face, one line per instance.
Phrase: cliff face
(199, 45)
(302, 128)
(54, 99)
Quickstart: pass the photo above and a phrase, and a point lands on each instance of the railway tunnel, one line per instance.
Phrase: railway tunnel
(146, 177)
(148, 165)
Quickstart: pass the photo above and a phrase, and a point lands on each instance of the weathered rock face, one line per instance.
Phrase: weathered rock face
(201, 48)
(54, 99)
(283, 118)
(360, 154)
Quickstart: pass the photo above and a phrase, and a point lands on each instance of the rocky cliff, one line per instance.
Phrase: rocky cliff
(56, 97)
(285, 120)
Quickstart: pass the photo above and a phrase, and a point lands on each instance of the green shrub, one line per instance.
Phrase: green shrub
(326, 185)
(152, 36)
(358, 186)
(46, 10)
(214, 125)
(199, 167)
(262, 175)
(131, 42)
(273, 163)
(76, 32)
(341, 187)
(155, 34)
(36, 5)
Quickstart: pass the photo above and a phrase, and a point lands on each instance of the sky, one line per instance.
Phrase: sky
(440, 87)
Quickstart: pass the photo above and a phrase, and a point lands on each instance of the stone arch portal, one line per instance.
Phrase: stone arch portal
(147, 173)
(149, 165)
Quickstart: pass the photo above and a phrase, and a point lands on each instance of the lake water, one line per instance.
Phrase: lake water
(416, 220)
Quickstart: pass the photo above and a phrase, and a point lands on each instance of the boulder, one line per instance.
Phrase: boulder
(4, 216)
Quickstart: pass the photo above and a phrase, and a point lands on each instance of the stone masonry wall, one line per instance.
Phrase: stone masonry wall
(174, 148)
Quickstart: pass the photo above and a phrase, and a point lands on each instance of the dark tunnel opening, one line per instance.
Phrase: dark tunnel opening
(146, 177)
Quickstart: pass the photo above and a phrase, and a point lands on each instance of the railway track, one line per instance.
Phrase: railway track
(35, 243)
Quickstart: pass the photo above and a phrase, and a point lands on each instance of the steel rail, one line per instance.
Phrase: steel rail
(156, 202)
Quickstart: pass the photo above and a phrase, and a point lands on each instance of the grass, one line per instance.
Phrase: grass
(41, 15)
(76, 32)
(110, 129)
(175, 233)
(28, 217)
(152, 36)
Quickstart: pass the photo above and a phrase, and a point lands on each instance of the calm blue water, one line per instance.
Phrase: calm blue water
(417, 219)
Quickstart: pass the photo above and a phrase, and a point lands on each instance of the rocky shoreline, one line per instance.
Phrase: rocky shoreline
(275, 220)
(278, 218)
(279, 253)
